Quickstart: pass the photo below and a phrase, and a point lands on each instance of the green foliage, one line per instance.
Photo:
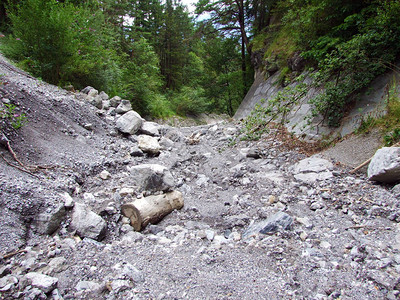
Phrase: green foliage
(61, 43)
(160, 61)
(349, 42)
(42, 35)
(276, 109)
(392, 137)
(282, 45)
(255, 125)
(141, 76)
(189, 101)
(9, 114)
(389, 124)
(366, 124)
(159, 107)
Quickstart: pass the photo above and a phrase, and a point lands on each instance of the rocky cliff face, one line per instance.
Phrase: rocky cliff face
(259, 220)
(371, 102)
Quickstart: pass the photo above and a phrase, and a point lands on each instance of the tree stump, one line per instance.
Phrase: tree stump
(151, 209)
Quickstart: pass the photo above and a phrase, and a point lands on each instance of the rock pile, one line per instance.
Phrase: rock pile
(258, 221)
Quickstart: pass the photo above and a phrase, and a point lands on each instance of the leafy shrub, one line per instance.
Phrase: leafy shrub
(61, 43)
(189, 101)
(160, 107)
(9, 114)
(392, 138)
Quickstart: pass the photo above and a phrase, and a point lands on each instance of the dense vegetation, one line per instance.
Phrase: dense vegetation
(158, 56)
(349, 43)
(151, 52)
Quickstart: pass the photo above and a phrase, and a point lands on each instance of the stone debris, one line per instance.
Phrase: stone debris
(87, 223)
(42, 282)
(272, 224)
(123, 107)
(150, 128)
(48, 222)
(105, 175)
(385, 165)
(313, 169)
(152, 177)
(319, 233)
(129, 122)
(149, 144)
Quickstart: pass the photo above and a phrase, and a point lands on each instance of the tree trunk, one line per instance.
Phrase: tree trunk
(151, 209)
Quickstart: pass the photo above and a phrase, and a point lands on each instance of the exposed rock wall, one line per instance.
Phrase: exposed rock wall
(371, 102)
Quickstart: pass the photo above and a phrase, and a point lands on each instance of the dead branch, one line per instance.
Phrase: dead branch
(11, 254)
(368, 161)
(18, 167)
(22, 167)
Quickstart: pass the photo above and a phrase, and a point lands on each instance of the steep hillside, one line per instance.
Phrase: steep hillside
(327, 67)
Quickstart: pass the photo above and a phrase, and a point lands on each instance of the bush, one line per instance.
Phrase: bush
(189, 101)
(42, 35)
(61, 44)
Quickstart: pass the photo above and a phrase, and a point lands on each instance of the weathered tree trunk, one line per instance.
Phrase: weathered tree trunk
(151, 209)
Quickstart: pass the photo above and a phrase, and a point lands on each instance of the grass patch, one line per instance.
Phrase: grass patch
(282, 46)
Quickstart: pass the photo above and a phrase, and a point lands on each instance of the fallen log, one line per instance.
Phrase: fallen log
(151, 209)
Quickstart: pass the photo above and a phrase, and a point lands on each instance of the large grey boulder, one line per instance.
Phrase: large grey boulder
(87, 223)
(149, 144)
(123, 107)
(313, 169)
(103, 96)
(93, 92)
(150, 128)
(42, 282)
(129, 122)
(272, 224)
(96, 101)
(385, 165)
(115, 101)
(87, 89)
(48, 222)
(152, 177)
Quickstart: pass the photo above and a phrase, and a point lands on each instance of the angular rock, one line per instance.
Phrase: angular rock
(272, 224)
(42, 282)
(115, 101)
(313, 169)
(385, 165)
(96, 102)
(135, 151)
(48, 222)
(106, 105)
(396, 190)
(105, 175)
(129, 122)
(152, 177)
(87, 223)
(149, 144)
(86, 90)
(128, 271)
(84, 285)
(8, 280)
(123, 107)
(150, 128)
(166, 143)
(93, 92)
(103, 96)
(68, 201)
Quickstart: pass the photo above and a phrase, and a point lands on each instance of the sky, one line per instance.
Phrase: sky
(189, 4)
